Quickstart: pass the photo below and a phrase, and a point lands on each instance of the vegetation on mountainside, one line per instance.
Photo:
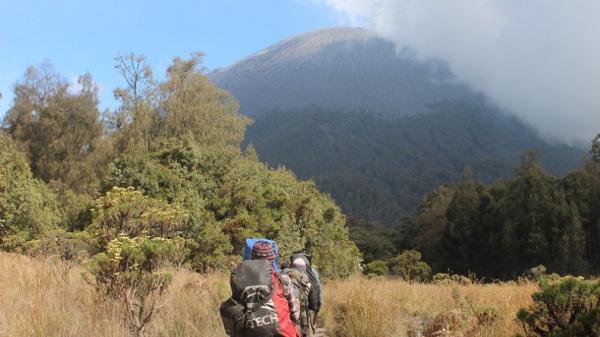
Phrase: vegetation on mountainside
(501, 230)
(171, 146)
(377, 167)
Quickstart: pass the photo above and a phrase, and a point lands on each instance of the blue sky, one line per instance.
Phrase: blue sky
(80, 36)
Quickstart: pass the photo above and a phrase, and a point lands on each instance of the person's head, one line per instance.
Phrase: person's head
(263, 250)
(299, 263)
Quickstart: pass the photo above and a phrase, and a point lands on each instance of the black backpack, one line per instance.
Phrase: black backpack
(250, 311)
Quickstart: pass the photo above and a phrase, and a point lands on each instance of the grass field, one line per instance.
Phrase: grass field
(46, 298)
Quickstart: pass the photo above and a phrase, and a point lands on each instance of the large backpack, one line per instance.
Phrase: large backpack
(248, 251)
(301, 281)
(250, 311)
(314, 302)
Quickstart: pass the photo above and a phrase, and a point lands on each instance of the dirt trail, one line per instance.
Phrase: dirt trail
(320, 332)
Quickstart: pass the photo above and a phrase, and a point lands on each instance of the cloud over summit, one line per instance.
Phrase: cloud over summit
(539, 59)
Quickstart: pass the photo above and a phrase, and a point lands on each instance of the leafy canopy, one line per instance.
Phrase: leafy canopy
(27, 205)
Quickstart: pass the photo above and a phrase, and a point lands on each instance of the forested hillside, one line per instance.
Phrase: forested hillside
(374, 126)
(378, 167)
(163, 171)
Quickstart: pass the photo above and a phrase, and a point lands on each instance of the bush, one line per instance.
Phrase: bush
(127, 211)
(444, 278)
(138, 235)
(409, 266)
(68, 246)
(568, 308)
(128, 272)
(536, 273)
(377, 267)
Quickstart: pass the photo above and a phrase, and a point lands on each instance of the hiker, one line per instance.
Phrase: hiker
(304, 274)
(264, 302)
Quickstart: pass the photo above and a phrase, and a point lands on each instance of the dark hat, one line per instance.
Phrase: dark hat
(263, 250)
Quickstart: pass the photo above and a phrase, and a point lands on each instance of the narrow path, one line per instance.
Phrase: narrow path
(320, 332)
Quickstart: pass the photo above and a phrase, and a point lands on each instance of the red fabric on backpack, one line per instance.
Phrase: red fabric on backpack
(287, 327)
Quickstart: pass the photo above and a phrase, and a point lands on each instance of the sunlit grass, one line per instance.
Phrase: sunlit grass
(44, 298)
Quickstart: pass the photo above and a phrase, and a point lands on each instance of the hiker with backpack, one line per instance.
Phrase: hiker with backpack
(306, 279)
(264, 301)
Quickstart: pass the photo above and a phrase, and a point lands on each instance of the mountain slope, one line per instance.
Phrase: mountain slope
(375, 129)
(378, 168)
(346, 68)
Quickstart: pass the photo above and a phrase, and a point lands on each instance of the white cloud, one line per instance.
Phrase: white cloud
(537, 58)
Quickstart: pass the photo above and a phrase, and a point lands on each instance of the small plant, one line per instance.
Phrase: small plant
(128, 272)
(568, 308)
(67, 248)
(536, 273)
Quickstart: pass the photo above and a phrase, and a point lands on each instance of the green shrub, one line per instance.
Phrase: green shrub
(68, 246)
(568, 308)
(127, 211)
(137, 235)
(409, 266)
(536, 273)
(377, 267)
(27, 206)
(129, 272)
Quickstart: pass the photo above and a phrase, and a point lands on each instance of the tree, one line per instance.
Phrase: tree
(191, 104)
(409, 266)
(545, 228)
(58, 126)
(27, 206)
(135, 122)
(595, 150)
(465, 238)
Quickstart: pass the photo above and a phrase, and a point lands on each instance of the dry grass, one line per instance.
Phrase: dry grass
(37, 301)
(43, 298)
(381, 308)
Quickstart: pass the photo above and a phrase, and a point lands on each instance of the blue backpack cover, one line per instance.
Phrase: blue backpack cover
(248, 251)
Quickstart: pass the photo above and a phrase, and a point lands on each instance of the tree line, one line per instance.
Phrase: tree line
(502, 229)
(72, 177)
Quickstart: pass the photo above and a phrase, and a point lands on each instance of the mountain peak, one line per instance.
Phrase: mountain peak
(303, 45)
(343, 68)
(312, 41)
